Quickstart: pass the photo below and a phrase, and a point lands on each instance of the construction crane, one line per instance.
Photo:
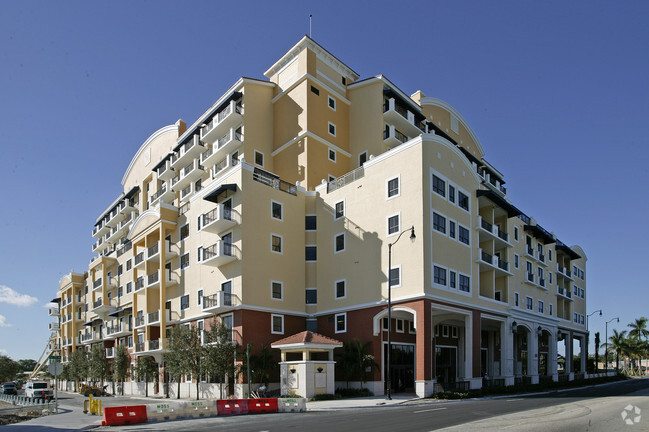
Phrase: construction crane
(42, 361)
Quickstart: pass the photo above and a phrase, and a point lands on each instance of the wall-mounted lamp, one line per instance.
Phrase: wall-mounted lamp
(320, 370)
(514, 326)
(292, 370)
(539, 331)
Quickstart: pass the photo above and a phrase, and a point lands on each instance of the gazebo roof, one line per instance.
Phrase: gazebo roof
(307, 340)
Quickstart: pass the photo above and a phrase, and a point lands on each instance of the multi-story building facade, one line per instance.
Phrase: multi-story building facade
(273, 213)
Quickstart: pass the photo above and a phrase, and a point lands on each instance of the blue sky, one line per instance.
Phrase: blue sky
(556, 92)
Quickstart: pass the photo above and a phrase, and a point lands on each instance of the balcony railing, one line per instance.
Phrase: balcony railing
(153, 278)
(139, 346)
(220, 248)
(503, 265)
(96, 284)
(153, 317)
(158, 194)
(274, 182)
(530, 277)
(542, 282)
(530, 250)
(220, 299)
(139, 283)
(503, 235)
(139, 258)
(541, 257)
(153, 250)
(139, 321)
(348, 178)
(98, 303)
(486, 225)
(154, 344)
(486, 257)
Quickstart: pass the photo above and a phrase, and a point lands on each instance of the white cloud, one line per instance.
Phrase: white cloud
(3, 322)
(7, 295)
(50, 305)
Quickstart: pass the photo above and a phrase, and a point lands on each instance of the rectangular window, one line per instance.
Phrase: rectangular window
(439, 276)
(516, 233)
(184, 261)
(463, 201)
(463, 235)
(341, 289)
(384, 324)
(276, 243)
(129, 287)
(451, 229)
(315, 90)
(451, 194)
(199, 297)
(311, 253)
(332, 129)
(529, 303)
(276, 210)
(119, 270)
(259, 158)
(276, 290)
(451, 279)
(331, 102)
(277, 324)
(340, 210)
(516, 299)
(184, 302)
(465, 283)
(411, 327)
(340, 243)
(439, 223)
(311, 296)
(184, 232)
(400, 328)
(341, 322)
(540, 303)
(362, 158)
(550, 254)
(393, 224)
(393, 187)
(128, 265)
(395, 276)
(332, 155)
(516, 261)
(550, 309)
(439, 186)
(310, 223)
(498, 295)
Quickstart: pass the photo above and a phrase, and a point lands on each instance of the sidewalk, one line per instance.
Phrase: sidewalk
(356, 403)
(69, 418)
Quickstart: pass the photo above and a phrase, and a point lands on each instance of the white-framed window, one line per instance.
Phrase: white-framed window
(395, 276)
(454, 332)
(463, 200)
(529, 303)
(339, 210)
(277, 324)
(517, 297)
(362, 158)
(277, 290)
(400, 327)
(332, 129)
(184, 261)
(463, 235)
(451, 193)
(452, 279)
(465, 283)
(200, 326)
(384, 324)
(331, 178)
(393, 187)
(259, 158)
(276, 210)
(452, 231)
(199, 297)
(439, 223)
(183, 232)
(445, 331)
(310, 223)
(339, 243)
(439, 186)
(184, 302)
(341, 288)
(516, 233)
(311, 253)
(276, 241)
(540, 306)
(439, 275)
(550, 309)
(515, 260)
(311, 296)
(393, 225)
(340, 321)
(331, 102)
(332, 155)
(411, 327)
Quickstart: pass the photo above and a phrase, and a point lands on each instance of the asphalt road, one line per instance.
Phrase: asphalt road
(593, 409)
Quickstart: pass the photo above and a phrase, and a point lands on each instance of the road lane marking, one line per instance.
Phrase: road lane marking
(426, 410)
(513, 400)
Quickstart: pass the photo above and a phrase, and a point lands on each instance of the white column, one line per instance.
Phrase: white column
(533, 355)
(507, 353)
(553, 355)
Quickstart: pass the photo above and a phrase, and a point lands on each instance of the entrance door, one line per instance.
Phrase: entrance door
(446, 365)
(227, 244)
(227, 209)
(402, 368)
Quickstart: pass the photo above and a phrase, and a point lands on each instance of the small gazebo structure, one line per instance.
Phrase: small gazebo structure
(307, 377)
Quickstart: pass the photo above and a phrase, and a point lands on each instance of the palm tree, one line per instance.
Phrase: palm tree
(638, 334)
(619, 343)
(353, 361)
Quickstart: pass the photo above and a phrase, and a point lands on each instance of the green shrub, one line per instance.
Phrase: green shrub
(325, 396)
(353, 392)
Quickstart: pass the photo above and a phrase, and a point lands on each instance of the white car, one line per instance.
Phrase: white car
(38, 389)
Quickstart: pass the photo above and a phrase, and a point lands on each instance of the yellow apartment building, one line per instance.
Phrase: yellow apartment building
(273, 212)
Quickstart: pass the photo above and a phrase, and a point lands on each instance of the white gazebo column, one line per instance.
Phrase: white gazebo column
(533, 355)
(507, 353)
(553, 356)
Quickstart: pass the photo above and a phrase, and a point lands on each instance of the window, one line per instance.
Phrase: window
(128, 266)
(362, 158)
(463, 201)
(393, 187)
(331, 178)
(332, 129)
(259, 158)
(451, 279)
(199, 298)
(341, 322)
(339, 243)
(463, 235)
(550, 254)
(384, 324)
(339, 210)
(276, 210)
(341, 289)
(439, 275)
(540, 305)
(184, 302)
(498, 295)
(411, 327)
(529, 303)
(184, 261)
(310, 223)
(550, 309)
(331, 102)
(451, 229)
(129, 287)
(393, 224)
(119, 270)
(400, 328)
(516, 299)
(311, 296)
(343, 80)
(439, 223)
(550, 278)
(277, 324)
(315, 90)
(451, 194)
(276, 243)
(332, 155)
(395, 276)
(439, 186)
(515, 261)
(184, 232)
(516, 233)
(311, 253)
(276, 290)
(465, 283)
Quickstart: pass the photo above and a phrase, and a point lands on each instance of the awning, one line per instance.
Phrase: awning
(567, 250)
(95, 321)
(164, 159)
(214, 195)
(117, 312)
(540, 233)
(501, 202)
(132, 192)
(56, 300)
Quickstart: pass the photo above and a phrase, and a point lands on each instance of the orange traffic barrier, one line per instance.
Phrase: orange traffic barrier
(232, 406)
(124, 415)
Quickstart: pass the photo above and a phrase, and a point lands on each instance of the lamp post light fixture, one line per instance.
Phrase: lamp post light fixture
(606, 341)
(588, 337)
(388, 370)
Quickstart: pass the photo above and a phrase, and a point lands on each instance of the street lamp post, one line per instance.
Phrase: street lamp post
(606, 340)
(588, 337)
(388, 378)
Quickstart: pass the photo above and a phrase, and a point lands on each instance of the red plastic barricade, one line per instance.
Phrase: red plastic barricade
(125, 415)
(232, 406)
(260, 406)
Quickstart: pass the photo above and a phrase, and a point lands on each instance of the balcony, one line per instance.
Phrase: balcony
(139, 347)
(564, 292)
(402, 118)
(153, 318)
(187, 152)
(153, 253)
(86, 337)
(164, 194)
(139, 283)
(220, 253)
(112, 282)
(138, 261)
(100, 229)
(97, 284)
(488, 261)
(53, 326)
(110, 352)
(530, 278)
(100, 307)
(392, 137)
(165, 172)
(530, 251)
(541, 257)
(172, 249)
(562, 271)
(139, 321)
(220, 300)
(118, 329)
(487, 230)
(171, 278)
(219, 219)
(53, 311)
(153, 280)
(273, 181)
(193, 171)
(227, 118)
